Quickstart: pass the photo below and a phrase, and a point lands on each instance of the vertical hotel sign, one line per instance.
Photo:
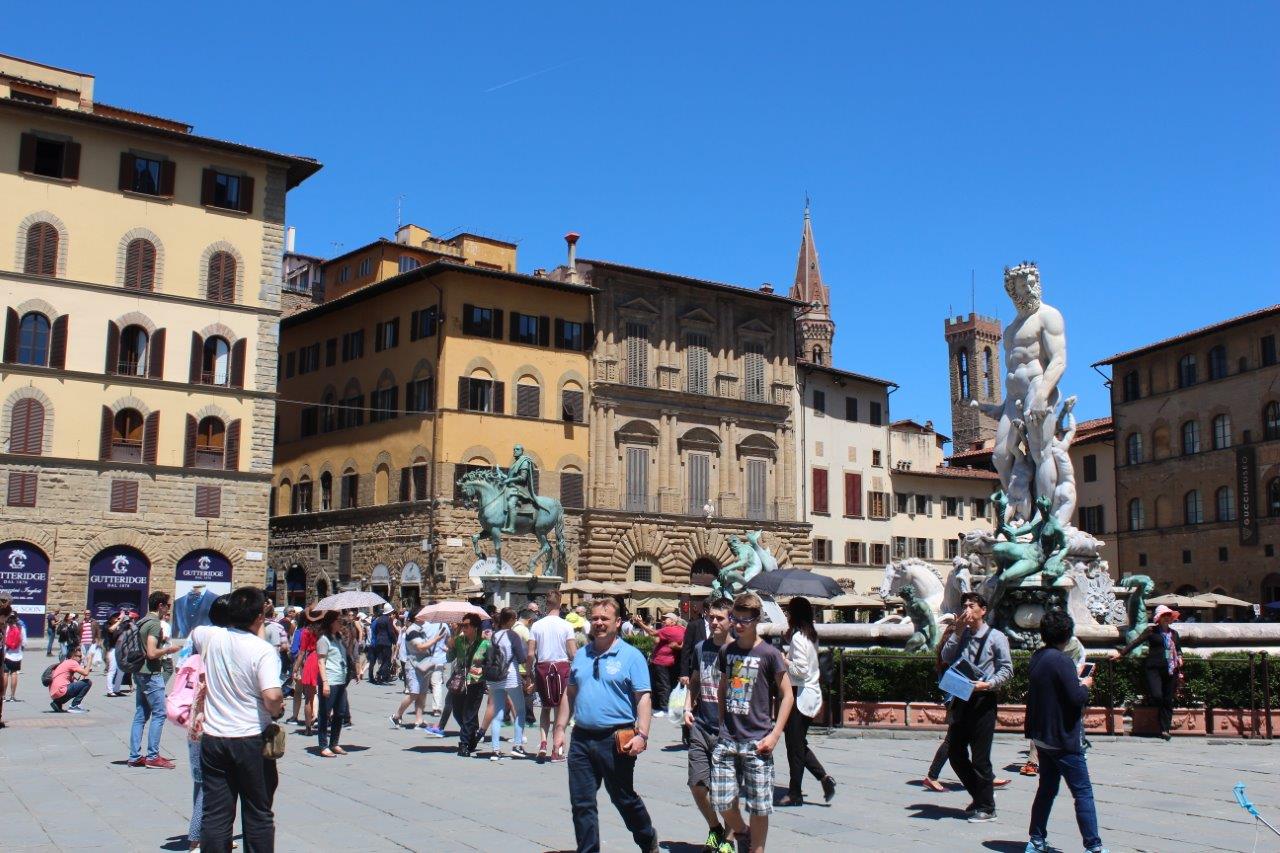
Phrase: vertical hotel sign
(1246, 488)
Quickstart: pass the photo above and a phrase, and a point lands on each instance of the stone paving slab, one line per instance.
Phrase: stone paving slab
(64, 786)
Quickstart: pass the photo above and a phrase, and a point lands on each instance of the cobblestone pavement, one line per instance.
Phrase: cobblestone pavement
(64, 786)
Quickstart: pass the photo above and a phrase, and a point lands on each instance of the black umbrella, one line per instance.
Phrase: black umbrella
(795, 582)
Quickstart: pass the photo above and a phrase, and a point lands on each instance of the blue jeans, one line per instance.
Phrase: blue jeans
(332, 709)
(593, 759)
(498, 699)
(197, 794)
(149, 702)
(1055, 766)
(76, 691)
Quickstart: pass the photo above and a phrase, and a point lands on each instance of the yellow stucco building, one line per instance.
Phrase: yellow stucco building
(140, 279)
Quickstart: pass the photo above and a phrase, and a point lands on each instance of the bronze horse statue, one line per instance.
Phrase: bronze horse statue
(485, 487)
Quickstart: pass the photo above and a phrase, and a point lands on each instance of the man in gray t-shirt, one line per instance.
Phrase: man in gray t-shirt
(702, 714)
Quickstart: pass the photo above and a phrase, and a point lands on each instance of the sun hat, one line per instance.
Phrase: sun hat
(387, 608)
(1162, 610)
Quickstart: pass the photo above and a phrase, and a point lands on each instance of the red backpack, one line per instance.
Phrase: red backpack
(13, 639)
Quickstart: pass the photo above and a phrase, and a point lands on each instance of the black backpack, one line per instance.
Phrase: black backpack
(131, 654)
(46, 677)
(497, 663)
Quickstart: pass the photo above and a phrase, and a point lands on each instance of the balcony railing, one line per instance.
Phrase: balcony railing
(126, 451)
(652, 504)
(209, 459)
(641, 503)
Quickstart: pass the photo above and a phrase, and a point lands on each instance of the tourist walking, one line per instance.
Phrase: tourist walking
(383, 639)
(422, 673)
(90, 639)
(68, 634)
(466, 684)
(551, 647)
(805, 672)
(110, 636)
(753, 675)
(702, 717)
(149, 686)
(665, 659)
(522, 626)
(6, 610)
(305, 672)
(1056, 698)
(50, 632)
(70, 683)
(973, 720)
(609, 694)
(331, 683)
(502, 677)
(15, 639)
(694, 633)
(242, 697)
(1163, 664)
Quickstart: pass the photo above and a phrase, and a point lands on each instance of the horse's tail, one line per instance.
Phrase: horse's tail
(560, 549)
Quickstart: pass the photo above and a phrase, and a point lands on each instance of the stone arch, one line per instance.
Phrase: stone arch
(422, 370)
(326, 467)
(478, 451)
(386, 379)
(758, 444)
(39, 306)
(219, 330)
(637, 432)
(528, 371)
(1160, 438)
(224, 546)
(700, 438)
(351, 389)
(213, 411)
(130, 402)
(286, 475)
(482, 363)
(383, 458)
(137, 318)
(420, 452)
(203, 272)
(571, 376)
(643, 540)
(350, 466)
(703, 543)
(64, 243)
(571, 460)
(28, 392)
(150, 546)
(304, 472)
(36, 535)
(122, 250)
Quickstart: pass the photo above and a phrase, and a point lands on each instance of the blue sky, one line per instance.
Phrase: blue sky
(1130, 149)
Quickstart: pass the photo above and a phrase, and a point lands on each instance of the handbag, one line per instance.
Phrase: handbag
(273, 742)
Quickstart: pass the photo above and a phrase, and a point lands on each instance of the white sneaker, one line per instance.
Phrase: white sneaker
(74, 710)
(659, 713)
(496, 756)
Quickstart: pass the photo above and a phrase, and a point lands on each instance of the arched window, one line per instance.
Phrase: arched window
(1225, 498)
(1190, 438)
(987, 373)
(1221, 432)
(1129, 386)
(529, 397)
(1273, 497)
(33, 339)
(1133, 448)
(1192, 509)
(26, 427)
(1271, 420)
(140, 264)
(42, 250)
(1186, 371)
(329, 412)
(1218, 362)
(302, 495)
(326, 492)
(817, 355)
(126, 436)
(133, 352)
(962, 372)
(211, 439)
(285, 496)
(222, 278)
(216, 363)
(1136, 520)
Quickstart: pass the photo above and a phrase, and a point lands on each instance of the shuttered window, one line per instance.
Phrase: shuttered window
(208, 502)
(756, 491)
(53, 158)
(419, 476)
(637, 354)
(637, 479)
(42, 250)
(124, 495)
(696, 358)
(699, 481)
(571, 406)
(528, 401)
(420, 395)
(22, 488)
(140, 264)
(753, 371)
(26, 427)
(820, 502)
(350, 490)
(853, 495)
(384, 404)
(571, 491)
(221, 278)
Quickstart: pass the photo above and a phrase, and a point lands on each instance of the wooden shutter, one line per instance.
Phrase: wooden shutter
(513, 326)
(528, 401)
(544, 331)
(464, 393)
(231, 450)
(126, 170)
(71, 161)
(124, 495)
(27, 153)
(246, 194)
(208, 501)
(113, 348)
(26, 427)
(699, 480)
(22, 488)
(499, 400)
(140, 264)
(637, 478)
(58, 343)
(104, 436)
(11, 335)
(571, 489)
(42, 250)
(571, 406)
(820, 496)
(853, 495)
(239, 351)
(588, 336)
(189, 443)
(222, 278)
(497, 324)
(419, 482)
(696, 363)
(406, 481)
(197, 357)
(559, 331)
(756, 487)
(155, 358)
(151, 438)
(208, 182)
(168, 176)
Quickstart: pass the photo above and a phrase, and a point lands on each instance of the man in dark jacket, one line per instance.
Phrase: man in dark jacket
(695, 632)
(1056, 698)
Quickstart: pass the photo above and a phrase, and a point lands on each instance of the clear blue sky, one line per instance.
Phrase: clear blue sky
(1129, 148)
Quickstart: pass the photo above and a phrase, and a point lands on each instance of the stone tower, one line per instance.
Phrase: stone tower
(973, 363)
(814, 328)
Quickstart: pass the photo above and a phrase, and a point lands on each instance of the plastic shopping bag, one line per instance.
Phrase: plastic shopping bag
(675, 704)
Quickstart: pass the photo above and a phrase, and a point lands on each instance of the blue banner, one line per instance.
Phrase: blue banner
(119, 579)
(24, 577)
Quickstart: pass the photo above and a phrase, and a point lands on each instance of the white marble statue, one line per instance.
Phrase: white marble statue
(918, 573)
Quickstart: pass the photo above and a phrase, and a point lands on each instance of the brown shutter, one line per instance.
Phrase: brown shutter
(26, 428)
(189, 445)
(113, 348)
(853, 495)
(48, 250)
(168, 176)
(207, 183)
(151, 438)
(588, 336)
(126, 170)
(246, 194)
(71, 161)
(559, 330)
(819, 490)
(209, 501)
(238, 352)
(58, 343)
(27, 153)
(406, 479)
(232, 446)
(124, 495)
(132, 264)
(11, 335)
(104, 437)
(197, 357)
(497, 324)
(464, 392)
(513, 324)
(544, 331)
(155, 358)
(499, 398)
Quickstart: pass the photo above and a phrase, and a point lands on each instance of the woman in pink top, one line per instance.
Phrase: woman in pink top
(66, 688)
(665, 659)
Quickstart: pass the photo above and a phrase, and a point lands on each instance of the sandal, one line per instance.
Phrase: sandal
(337, 750)
(791, 800)
(326, 753)
(934, 785)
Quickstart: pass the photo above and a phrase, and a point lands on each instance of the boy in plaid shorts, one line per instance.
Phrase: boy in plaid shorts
(752, 672)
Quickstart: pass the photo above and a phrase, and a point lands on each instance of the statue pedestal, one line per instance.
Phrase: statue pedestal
(515, 591)
(1021, 608)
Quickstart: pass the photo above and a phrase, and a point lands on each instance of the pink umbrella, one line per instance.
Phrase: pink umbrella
(450, 611)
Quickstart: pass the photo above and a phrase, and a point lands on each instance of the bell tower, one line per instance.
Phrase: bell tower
(973, 363)
(814, 328)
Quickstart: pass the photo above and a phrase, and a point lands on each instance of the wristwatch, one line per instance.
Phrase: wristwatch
(644, 735)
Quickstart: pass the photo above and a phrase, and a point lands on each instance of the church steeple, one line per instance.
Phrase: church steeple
(814, 328)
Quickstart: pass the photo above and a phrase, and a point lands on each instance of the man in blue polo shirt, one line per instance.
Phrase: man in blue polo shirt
(608, 692)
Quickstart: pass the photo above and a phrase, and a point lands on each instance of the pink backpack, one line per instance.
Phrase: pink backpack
(187, 683)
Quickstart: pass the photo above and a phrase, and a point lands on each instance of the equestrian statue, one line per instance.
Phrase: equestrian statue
(509, 505)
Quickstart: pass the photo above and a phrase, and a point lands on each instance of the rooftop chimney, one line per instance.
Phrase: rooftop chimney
(572, 240)
(766, 288)
(290, 239)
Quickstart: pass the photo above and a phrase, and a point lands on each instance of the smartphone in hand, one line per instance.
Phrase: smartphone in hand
(1086, 670)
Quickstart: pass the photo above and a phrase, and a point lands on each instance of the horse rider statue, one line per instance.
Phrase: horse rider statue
(518, 482)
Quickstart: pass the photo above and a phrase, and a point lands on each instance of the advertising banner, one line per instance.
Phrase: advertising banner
(119, 579)
(201, 577)
(24, 578)
(1246, 487)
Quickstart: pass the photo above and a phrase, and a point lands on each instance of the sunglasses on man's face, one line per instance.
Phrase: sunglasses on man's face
(743, 620)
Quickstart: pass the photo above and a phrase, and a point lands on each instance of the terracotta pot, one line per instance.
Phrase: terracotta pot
(1095, 720)
(927, 715)
(1011, 718)
(1186, 721)
(887, 715)
(1239, 722)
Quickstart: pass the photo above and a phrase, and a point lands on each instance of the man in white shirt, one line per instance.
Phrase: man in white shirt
(242, 697)
(551, 647)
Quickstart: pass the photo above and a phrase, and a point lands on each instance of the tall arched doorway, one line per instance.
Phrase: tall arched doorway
(24, 578)
(411, 586)
(295, 582)
(119, 579)
(380, 581)
(322, 587)
(703, 571)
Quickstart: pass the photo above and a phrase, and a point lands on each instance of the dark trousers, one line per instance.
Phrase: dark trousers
(1162, 690)
(380, 669)
(446, 710)
(333, 709)
(593, 758)
(466, 708)
(663, 678)
(1071, 766)
(972, 728)
(234, 769)
(799, 756)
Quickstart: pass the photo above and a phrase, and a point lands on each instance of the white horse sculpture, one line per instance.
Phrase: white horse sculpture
(918, 573)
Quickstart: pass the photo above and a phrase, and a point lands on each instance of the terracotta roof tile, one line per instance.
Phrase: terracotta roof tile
(1194, 333)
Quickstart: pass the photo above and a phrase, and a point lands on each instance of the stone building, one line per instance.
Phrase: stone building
(397, 388)
(973, 358)
(141, 280)
(1197, 469)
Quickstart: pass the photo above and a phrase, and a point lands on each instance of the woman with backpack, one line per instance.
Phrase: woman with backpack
(331, 678)
(466, 684)
(502, 676)
(15, 638)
